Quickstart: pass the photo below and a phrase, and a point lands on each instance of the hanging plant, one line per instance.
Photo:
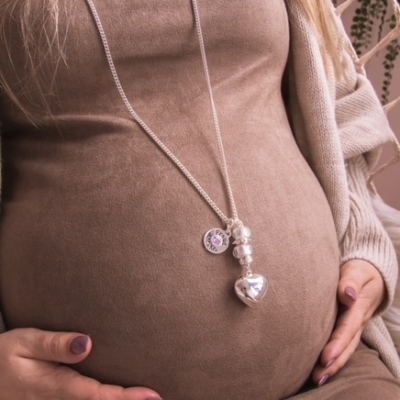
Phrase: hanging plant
(393, 50)
(375, 16)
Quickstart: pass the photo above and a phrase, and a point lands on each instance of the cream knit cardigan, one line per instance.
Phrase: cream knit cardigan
(339, 126)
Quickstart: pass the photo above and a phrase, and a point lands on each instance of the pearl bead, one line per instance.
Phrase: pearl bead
(241, 233)
(243, 250)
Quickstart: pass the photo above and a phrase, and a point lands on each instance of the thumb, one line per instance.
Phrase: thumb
(350, 284)
(61, 347)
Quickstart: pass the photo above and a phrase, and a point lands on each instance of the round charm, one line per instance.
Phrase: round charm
(216, 241)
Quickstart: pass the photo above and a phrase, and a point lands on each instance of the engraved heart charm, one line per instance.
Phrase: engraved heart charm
(251, 288)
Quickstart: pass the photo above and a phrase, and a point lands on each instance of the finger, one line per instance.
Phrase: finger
(71, 385)
(353, 277)
(357, 275)
(321, 374)
(61, 347)
(347, 327)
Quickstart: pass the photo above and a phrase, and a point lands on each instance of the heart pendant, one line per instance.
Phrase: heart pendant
(251, 288)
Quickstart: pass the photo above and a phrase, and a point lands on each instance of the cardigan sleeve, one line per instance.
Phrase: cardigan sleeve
(365, 237)
(363, 128)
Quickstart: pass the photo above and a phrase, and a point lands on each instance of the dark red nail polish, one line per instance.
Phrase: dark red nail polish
(79, 345)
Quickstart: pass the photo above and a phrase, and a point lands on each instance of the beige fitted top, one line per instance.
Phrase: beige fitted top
(101, 234)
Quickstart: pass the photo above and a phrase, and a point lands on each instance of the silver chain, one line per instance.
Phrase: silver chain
(228, 221)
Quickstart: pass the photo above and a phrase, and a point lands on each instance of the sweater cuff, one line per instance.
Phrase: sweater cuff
(366, 238)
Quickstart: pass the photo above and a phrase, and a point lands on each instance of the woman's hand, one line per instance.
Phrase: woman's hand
(30, 369)
(361, 291)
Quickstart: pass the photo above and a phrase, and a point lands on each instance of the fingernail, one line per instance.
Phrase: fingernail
(351, 293)
(328, 364)
(323, 380)
(79, 345)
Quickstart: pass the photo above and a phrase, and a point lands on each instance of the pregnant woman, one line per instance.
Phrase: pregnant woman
(184, 186)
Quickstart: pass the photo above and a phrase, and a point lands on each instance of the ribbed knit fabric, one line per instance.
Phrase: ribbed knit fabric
(378, 337)
(365, 237)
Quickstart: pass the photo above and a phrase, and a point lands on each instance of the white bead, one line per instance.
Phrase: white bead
(241, 233)
(243, 250)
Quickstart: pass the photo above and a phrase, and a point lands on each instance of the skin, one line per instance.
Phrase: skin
(30, 359)
(361, 291)
(30, 369)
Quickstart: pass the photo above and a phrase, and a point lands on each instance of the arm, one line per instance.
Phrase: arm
(363, 128)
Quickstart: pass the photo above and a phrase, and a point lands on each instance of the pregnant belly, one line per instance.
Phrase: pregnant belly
(162, 311)
(125, 263)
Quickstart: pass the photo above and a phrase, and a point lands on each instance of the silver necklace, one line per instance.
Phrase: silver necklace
(249, 287)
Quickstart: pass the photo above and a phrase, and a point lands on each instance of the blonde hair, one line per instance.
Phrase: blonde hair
(325, 22)
(39, 35)
(38, 24)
